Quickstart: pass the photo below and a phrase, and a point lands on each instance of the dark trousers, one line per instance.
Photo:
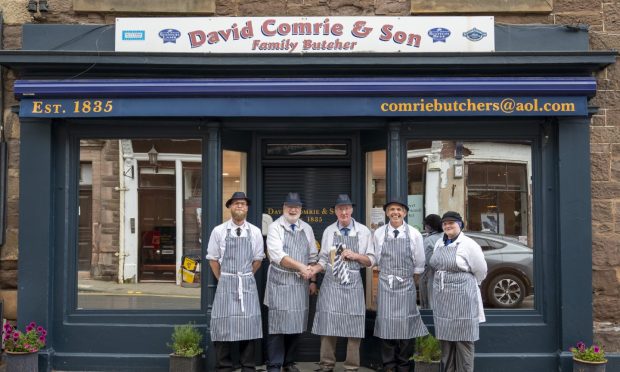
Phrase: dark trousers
(223, 359)
(457, 356)
(395, 354)
(281, 351)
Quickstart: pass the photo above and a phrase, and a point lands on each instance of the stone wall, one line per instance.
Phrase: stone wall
(603, 18)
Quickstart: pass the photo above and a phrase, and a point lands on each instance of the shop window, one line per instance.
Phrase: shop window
(375, 217)
(140, 213)
(234, 165)
(489, 183)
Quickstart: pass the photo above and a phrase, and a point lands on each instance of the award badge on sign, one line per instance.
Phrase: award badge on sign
(340, 266)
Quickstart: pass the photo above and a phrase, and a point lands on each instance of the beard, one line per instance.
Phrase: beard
(238, 215)
(291, 219)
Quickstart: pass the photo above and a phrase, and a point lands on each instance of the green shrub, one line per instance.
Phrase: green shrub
(427, 349)
(186, 340)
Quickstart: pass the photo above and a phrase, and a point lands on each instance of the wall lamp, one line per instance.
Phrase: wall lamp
(153, 157)
(41, 5)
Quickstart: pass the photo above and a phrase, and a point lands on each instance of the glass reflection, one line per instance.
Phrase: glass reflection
(139, 235)
(489, 183)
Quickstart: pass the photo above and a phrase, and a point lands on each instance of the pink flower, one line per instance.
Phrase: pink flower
(597, 349)
(32, 325)
(40, 329)
(29, 328)
(42, 339)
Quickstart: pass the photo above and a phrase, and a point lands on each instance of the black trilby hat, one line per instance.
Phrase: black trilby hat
(343, 199)
(451, 216)
(293, 199)
(237, 195)
(394, 201)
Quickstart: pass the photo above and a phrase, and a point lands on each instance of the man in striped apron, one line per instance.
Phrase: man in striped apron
(235, 252)
(291, 248)
(460, 267)
(399, 252)
(341, 311)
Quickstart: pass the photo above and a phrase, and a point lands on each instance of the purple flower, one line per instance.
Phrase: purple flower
(42, 339)
(40, 329)
(581, 346)
(29, 328)
(597, 349)
(44, 333)
(32, 325)
(15, 336)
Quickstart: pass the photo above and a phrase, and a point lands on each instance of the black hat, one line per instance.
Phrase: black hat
(451, 216)
(394, 201)
(293, 199)
(343, 199)
(433, 221)
(237, 195)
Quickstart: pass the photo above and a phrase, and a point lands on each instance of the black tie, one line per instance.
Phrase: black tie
(345, 231)
(293, 227)
(238, 231)
(396, 234)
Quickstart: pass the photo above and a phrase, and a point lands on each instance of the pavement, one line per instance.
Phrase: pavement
(143, 288)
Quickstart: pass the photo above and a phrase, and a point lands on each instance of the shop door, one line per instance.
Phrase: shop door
(158, 234)
(318, 186)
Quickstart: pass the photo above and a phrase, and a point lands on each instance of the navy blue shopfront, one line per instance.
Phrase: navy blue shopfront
(241, 103)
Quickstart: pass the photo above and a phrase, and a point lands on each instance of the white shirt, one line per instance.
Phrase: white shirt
(217, 240)
(469, 257)
(416, 243)
(275, 239)
(364, 238)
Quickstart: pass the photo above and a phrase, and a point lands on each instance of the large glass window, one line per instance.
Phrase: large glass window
(139, 236)
(233, 177)
(489, 183)
(375, 217)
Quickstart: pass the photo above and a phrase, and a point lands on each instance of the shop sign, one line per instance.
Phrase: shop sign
(265, 35)
(307, 106)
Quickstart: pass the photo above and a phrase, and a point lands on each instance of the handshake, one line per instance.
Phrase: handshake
(308, 271)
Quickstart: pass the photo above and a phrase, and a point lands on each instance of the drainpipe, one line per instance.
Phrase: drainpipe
(121, 214)
(3, 150)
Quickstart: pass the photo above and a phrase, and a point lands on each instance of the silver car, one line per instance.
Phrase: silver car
(510, 277)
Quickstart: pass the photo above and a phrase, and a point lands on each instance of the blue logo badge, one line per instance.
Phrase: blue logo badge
(439, 34)
(474, 34)
(169, 35)
(134, 35)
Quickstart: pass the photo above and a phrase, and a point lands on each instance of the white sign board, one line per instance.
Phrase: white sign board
(260, 35)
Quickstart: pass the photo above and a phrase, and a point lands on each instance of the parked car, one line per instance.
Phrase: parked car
(510, 276)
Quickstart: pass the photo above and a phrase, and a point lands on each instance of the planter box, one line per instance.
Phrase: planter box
(185, 364)
(22, 362)
(584, 366)
(426, 367)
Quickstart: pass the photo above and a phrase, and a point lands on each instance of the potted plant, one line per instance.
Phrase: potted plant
(588, 359)
(186, 350)
(22, 347)
(427, 354)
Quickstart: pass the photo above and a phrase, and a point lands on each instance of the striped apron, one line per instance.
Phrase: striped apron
(341, 310)
(287, 292)
(455, 298)
(236, 309)
(398, 317)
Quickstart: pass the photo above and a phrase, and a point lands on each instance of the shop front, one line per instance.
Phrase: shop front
(127, 158)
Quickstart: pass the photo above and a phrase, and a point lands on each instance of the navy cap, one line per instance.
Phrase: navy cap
(293, 199)
(451, 216)
(394, 201)
(343, 199)
(237, 195)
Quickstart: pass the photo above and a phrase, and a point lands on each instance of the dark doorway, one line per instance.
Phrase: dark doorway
(318, 187)
(158, 234)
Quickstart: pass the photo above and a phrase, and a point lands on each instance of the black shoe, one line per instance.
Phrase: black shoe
(291, 368)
